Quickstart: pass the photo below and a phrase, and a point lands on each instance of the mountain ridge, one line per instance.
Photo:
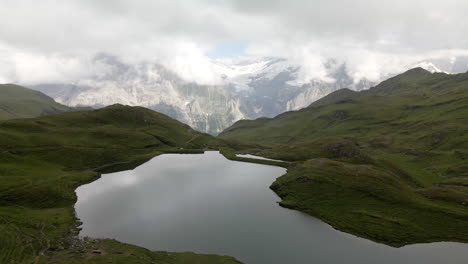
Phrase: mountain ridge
(247, 89)
(261, 88)
(20, 102)
(345, 93)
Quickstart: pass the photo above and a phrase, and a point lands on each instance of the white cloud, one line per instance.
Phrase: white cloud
(52, 41)
(28, 68)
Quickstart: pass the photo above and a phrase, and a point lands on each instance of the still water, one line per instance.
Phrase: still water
(254, 157)
(205, 203)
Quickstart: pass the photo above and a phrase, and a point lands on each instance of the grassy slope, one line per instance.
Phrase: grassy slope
(389, 164)
(336, 96)
(43, 160)
(20, 102)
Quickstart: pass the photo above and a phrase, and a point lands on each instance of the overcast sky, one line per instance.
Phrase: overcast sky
(55, 40)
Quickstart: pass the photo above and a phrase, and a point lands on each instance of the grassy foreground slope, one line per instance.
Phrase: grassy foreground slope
(19, 102)
(43, 160)
(389, 164)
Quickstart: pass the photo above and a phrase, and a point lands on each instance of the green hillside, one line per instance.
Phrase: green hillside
(19, 102)
(336, 96)
(389, 164)
(43, 160)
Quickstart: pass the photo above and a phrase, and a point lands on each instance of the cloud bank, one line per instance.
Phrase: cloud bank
(57, 41)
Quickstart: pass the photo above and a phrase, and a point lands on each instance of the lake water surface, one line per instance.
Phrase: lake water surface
(254, 157)
(205, 203)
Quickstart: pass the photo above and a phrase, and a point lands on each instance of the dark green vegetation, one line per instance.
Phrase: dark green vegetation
(43, 160)
(111, 251)
(20, 102)
(389, 164)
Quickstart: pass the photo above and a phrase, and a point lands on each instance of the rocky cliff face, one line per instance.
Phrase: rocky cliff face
(250, 89)
(206, 108)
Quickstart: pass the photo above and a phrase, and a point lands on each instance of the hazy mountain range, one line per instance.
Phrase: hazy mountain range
(263, 87)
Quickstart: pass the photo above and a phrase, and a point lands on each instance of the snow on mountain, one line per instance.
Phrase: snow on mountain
(241, 73)
(428, 66)
(450, 64)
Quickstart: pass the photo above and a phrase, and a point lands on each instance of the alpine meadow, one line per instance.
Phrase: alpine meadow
(257, 132)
